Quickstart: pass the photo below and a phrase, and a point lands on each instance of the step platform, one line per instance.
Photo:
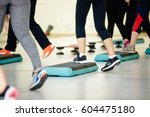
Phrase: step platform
(6, 59)
(138, 41)
(123, 56)
(70, 69)
(147, 51)
(119, 42)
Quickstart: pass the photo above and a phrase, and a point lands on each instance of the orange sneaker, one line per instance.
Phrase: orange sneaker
(5, 52)
(47, 51)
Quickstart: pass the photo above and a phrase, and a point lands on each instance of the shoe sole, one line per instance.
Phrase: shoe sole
(129, 51)
(40, 83)
(43, 57)
(80, 62)
(109, 69)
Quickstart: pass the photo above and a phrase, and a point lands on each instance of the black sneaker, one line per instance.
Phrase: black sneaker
(79, 59)
(111, 63)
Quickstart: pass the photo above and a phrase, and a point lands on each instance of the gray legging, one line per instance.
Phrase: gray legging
(19, 13)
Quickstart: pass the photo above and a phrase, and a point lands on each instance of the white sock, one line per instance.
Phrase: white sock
(81, 54)
(112, 56)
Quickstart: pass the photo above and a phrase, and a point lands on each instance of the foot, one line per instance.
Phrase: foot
(47, 51)
(126, 42)
(129, 48)
(111, 63)
(11, 93)
(81, 59)
(38, 79)
(5, 52)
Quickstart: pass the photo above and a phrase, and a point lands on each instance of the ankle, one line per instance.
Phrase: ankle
(81, 54)
(2, 94)
(111, 56)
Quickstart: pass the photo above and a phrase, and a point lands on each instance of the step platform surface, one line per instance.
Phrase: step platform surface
(147, 51)
(12, 58)
(123, 56)
(70, 69)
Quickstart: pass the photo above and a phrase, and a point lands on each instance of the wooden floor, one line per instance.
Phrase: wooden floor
(129, 81)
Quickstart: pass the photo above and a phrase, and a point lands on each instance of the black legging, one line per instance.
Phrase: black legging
(115, 12)
(142, 17)
(82, 9)
(130, 17)
(35, 29)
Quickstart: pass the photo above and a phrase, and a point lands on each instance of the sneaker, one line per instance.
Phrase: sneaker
(129, 48)
(38, 79)
(111, 63)
(5, 52)
(11, 93)
(47, 51)
(79, 59)
(126, 42)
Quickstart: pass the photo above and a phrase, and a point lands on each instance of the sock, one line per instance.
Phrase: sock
(112, 56)
(81, 54)
(3, 93)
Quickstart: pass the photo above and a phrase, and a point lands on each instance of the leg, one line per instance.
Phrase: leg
(20, 24)
(82, 9)
(99, 19)
(119, 19)
(141, 18)
(130, 17)
(20, 11)
(6, 91)
(38, 33)
(11, 40)
(111, 15)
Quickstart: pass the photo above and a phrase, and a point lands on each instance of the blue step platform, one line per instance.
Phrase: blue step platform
(123, 56)
(6, 59)
(70, 69)
(147, 51)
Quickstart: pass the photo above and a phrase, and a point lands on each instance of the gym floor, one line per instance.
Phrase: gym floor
(129, 81)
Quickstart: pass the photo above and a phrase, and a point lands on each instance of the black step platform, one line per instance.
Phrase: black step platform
(12, 58)
(123, 56)
(71, 69)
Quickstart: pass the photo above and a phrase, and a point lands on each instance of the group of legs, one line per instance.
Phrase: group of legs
(19, 24)
(116, 10)
(141, 20)
(137, 16)
(19, 29)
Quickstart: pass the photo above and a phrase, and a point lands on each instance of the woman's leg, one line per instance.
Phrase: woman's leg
(130, 17)
(6, 92)
(82, 9)
(141, 18)
(20, 25)
(120, 17)
(111, 10)
(99, 19)
(20, 11)
(38, 33)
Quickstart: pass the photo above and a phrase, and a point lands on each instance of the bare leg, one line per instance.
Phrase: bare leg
(3, 82)
(82, 45)
(134, 37)
(109, 46)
